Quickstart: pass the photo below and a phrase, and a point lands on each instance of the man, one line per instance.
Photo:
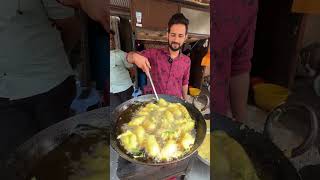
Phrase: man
(121, 87)
(232, 36)
(168, 67)
(37, 83)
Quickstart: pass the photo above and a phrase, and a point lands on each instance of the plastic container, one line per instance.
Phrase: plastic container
(194, 91)
(268, 96)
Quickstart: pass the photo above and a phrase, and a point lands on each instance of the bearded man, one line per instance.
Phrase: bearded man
(169, 68)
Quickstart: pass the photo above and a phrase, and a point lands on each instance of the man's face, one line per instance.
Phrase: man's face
(177, 36)
(112, 43)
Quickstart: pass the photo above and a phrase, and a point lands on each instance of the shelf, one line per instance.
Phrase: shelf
(193, 4)
(161, 36)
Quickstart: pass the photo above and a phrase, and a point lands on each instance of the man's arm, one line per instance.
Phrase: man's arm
(123, 56)
(70, 29)
(139, 60)
(185, 80)
(97, 10)
(185, 91)
(239, 88)
(128, 65)
(65, 21)
(240, 69)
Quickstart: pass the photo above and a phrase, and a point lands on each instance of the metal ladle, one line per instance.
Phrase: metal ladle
(154, 89)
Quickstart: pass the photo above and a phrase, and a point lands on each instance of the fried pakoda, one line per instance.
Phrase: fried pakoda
(162, 131)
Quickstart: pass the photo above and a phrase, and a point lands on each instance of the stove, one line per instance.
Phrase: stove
(131, 171)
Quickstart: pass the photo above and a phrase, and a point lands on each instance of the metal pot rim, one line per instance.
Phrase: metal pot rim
(146, 98)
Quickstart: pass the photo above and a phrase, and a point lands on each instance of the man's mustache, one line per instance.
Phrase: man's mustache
(175, 43)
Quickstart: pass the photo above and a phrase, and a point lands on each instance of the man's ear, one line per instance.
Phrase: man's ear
(167, 35)
(186, 37)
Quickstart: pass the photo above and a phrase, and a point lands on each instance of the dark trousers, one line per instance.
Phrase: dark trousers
(118, 98)
(23, 118)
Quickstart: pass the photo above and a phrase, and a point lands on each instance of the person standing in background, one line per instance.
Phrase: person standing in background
(37, 84)
(121, 86)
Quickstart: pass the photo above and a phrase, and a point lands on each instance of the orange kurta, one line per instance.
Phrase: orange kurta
(306, 6)
(206, 59)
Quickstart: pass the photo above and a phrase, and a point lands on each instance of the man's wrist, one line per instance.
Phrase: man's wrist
(130, 58)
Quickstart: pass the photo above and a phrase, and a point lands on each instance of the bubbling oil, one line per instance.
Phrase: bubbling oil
(160, 131)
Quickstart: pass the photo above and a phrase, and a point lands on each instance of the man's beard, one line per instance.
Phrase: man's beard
(174, 49)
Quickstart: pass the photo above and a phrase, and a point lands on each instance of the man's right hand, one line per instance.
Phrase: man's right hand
(141, 61)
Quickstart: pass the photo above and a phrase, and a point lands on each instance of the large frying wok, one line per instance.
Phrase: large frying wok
(33, 150)
(125, 111)
(268, 160)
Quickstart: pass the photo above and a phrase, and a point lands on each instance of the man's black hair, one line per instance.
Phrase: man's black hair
(178, 18)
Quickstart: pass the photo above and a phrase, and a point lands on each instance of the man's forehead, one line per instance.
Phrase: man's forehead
(183, 33)
(176, 30)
